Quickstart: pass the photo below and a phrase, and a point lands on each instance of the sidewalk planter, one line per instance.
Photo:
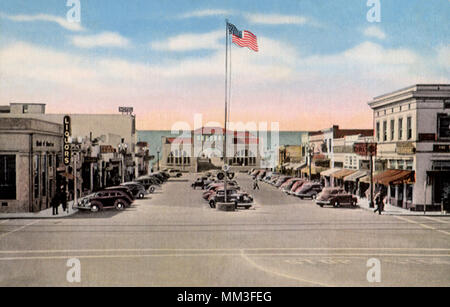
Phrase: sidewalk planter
(226, 206)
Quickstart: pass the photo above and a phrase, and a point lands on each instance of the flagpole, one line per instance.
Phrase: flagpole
(226, 110)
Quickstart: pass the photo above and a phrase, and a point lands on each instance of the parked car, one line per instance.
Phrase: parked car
(124, 189)
(175, 173)
(201, 182)
(261, 175)
(286, 187)
(136, 188)
(309, 190)
(109, 198)
(240, 199)
(281, 180)
(335, 197)
(296, 186)
(149, 183)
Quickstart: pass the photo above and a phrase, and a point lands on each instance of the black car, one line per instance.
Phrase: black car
(149, 183)
(136, 188)
(309, 190)
(201, 182)
(108, 198)
(124, 189)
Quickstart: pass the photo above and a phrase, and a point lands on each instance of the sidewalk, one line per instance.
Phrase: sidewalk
(44, 214)
(392, 210)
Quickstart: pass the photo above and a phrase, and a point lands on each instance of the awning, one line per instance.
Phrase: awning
(343, 173)
(394, 176)
(366, 179)
(355, 176)
(67, 175)
(330, 171)
(285, 164)
(299, 166)
(315, 170)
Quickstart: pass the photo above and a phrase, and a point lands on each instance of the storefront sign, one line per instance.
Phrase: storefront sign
(67, 133)
(128, 110)
(365, 149)
(90, 159)
(424, 137)
(106, 149)
(405, 148)
(441, 148)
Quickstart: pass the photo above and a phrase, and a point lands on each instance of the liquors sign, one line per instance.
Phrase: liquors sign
(67, 133)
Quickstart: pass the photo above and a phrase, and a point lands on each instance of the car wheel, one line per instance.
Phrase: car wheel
(313, 197)
(337, 205)
(141, 195)
(151, 190)
(95, 208)
(321, 206)
(212, 203)
(119, 205)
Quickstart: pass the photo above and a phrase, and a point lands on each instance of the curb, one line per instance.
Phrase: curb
(406, 214)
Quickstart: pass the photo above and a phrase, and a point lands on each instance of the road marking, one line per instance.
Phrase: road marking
(218, 255)
(18, 229)
(273, 272)
(423, 225)
(435, 219)
(226, 249)
(3, 222)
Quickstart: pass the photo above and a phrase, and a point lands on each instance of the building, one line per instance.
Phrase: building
(105, 145)
(412, 129)
(30, 157)
(291, 159)
(202, 149)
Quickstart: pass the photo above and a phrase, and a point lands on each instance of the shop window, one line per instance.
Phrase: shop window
(443, 126)
(409, 127)
(7, 176)
(392, 129)
(378, 131)
(409, 193)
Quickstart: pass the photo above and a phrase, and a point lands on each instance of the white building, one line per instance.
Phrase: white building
(412, 128)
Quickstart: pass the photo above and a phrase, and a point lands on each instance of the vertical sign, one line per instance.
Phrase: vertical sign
(67, 133)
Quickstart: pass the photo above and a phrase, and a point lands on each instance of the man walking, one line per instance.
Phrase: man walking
(255, 184)
(55, 204)
(379, 202)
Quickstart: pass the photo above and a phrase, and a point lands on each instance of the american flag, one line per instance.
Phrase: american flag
(243, 38)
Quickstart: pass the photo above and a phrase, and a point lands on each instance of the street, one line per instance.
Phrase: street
(173, 238)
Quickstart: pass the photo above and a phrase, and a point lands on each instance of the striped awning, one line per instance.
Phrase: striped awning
(355, 176)
(330, 171)
(343, 173)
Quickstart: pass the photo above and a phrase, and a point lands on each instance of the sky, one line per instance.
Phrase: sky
(319, 62)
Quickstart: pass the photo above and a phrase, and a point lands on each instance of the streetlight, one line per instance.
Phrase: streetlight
(158, 150)
(309, 150)
(123, 147)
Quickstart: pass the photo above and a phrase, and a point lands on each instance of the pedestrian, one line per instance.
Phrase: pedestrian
(379, 202)
(63, 200)
(255, 184)
(55, 204)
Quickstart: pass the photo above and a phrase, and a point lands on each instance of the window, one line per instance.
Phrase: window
(36, 167)
(25, 108)
(384, 131)
(400, 129)
(443, 125)
(378, 131)
(409, 127)
(392, 129)
(7, 176)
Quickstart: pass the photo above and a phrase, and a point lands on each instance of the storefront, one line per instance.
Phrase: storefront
(353, 184)
(326, 176)
(399, 186)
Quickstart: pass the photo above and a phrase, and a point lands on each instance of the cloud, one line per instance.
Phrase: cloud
(71, 26)
(206, 13)
(374, 31)
(105, 39)
(444, 56)
(277, 19)
(190, 41)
